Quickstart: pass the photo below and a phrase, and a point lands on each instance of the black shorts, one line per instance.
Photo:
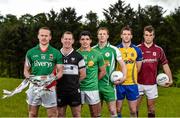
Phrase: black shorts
(69, 98)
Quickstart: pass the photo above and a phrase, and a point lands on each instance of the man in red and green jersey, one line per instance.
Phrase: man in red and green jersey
(41, 61)
(111, 55)
(95, 70)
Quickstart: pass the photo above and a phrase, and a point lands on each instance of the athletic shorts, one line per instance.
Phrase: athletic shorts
(149, 90)
(107, 93)
(69, 98)
(129, 91)
(36, 96)
(90, 97)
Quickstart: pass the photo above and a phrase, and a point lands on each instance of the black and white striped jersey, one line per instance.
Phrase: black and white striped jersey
(69, 82)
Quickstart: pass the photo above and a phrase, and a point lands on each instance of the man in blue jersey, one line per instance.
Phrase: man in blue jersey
(132, 57)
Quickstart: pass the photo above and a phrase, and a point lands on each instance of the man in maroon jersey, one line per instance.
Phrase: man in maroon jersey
(152, 56)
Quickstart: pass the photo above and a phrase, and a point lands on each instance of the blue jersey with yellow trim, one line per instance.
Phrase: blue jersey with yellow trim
(130, 55)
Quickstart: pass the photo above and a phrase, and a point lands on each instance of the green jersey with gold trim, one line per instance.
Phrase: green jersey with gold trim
(94, 60)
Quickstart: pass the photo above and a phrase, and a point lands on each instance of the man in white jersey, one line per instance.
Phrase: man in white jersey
(40, 62)
(111, 55)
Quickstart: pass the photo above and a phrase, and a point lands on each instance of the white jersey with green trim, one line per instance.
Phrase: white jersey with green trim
(111, 55)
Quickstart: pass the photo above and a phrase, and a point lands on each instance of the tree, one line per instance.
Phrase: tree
(91, 24)
(117, 16)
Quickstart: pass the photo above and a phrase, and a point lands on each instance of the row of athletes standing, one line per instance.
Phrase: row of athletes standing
(96, 87)
(86, 73)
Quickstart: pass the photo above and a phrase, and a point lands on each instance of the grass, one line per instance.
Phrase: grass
(167, 104)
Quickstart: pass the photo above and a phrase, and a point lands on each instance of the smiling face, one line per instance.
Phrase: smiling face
(85, 41)
(44, 36)
(67, 40)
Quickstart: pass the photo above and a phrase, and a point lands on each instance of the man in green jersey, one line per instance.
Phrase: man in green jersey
(95, 70)
(111, 55)
(40, 62)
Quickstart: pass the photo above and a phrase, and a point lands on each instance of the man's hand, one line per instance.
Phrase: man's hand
(119, 81)
(168, 84)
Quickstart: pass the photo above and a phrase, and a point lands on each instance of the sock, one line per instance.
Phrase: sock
(151, 115)
(137, 113)
(119, 115)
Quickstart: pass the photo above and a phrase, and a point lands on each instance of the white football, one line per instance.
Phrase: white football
(161, 79)
(116, 75)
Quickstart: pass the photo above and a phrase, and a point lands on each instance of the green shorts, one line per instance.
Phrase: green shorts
(107, 93)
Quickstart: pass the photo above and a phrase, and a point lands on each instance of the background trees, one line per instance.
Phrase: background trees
(17, 35)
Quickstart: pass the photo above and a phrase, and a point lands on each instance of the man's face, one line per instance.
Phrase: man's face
(102, 36)
(148, 37)
(44, 36)
(85, 41)
(126, 36)
(67, 40)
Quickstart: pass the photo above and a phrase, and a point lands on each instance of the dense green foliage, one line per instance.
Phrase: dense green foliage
(167, 103)
(17, 35)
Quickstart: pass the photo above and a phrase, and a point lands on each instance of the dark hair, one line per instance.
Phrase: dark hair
(45, 28)
(67, 32)
(103, 28)
(85, 33)
(126, 28)
(149, 28)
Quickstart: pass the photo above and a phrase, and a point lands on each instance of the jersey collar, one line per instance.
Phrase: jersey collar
(85, 50)
(38, 47)
(107, 45)
(121, 45)
(148, 47)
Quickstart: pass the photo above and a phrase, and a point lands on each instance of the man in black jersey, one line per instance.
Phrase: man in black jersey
(68, 91)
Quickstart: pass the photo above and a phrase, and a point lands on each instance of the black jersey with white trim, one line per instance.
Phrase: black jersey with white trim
(70, 79)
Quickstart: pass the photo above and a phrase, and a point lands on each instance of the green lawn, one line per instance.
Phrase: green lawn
(167, 104)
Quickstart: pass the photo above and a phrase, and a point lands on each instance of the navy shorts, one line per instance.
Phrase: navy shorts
(69, 98)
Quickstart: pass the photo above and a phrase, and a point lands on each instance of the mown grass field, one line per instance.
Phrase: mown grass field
(167, 105)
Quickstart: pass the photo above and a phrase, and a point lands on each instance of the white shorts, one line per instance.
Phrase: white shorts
(37, 96)
(149, 90)
(90, 97)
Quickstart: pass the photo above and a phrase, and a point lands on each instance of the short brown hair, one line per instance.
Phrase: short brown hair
(103, 28)
(45, 28)
(126, 28)
(67, 32)
(149, 28)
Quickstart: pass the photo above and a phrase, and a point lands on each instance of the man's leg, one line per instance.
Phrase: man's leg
(52, 112)
(95, 110)
(119, 104)
(33, 111)
(62, 111)
(138, 104)
(151, 107)
(112, 108)
(76, 111)
(133, 107)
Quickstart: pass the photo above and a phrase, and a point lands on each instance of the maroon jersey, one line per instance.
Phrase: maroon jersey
(151, 57)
